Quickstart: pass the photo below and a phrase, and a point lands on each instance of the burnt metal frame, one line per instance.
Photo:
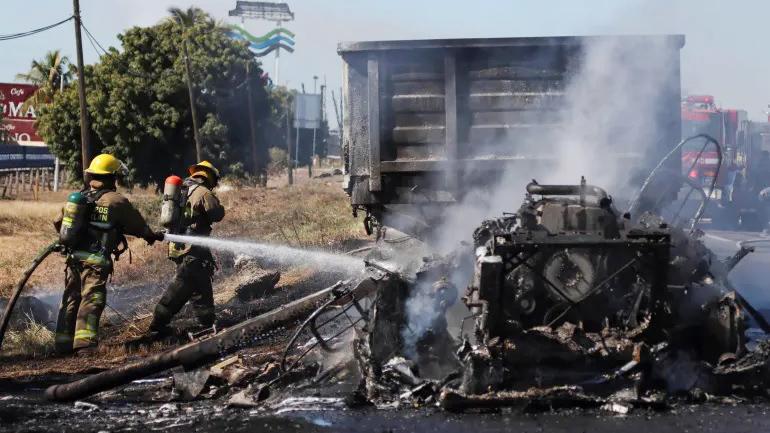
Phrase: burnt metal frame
(651, 246)
(676, 152)
(375, 155)
(343, 301)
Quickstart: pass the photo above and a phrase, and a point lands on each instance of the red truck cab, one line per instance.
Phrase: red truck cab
(700, 115)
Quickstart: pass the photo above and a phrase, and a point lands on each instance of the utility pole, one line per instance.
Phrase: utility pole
(288, 145)
(191, 92)
(278, 59)
(312, 153)
(56, 161)
(312, 158)
(85, 127)
(296, 147)
(252, 124)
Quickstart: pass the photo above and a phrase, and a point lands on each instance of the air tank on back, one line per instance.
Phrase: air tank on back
(74, 218)
(171, 208)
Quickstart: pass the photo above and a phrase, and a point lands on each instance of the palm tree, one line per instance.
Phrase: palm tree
(50, 74)
(187, 20)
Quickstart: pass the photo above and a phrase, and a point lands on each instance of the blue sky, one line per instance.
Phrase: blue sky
(726, 53)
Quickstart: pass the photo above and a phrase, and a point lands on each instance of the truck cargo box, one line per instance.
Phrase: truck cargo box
(426, 121)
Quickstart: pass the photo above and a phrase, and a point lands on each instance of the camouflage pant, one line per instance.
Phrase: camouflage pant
(85, 296)
(192, 282)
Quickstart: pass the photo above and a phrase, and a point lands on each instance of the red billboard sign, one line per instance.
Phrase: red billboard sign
(18, 125)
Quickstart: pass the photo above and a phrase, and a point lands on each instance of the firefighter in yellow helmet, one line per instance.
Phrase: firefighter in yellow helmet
(90, 262)
(195, 265)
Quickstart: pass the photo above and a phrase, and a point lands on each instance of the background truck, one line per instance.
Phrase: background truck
(745, 167)
(429, 121)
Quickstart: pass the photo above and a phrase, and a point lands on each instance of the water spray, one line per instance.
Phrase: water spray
(278, 253)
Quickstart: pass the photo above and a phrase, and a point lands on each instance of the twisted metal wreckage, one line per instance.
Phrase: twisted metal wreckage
(573, 303)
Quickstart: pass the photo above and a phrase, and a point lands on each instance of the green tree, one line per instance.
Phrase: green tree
(281, 100)
(59, 125)
(49, 73)
(139, 104)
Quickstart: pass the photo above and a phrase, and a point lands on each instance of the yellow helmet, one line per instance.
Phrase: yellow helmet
(104, 164)
(205, 169)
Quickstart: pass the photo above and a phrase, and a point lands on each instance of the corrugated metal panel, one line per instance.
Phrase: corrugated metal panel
(415, 117)
(505, 96)
(513, 96)
(446, 108)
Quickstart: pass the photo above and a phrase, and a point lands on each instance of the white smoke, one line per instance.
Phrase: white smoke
(613, 112)
(422, 312)
(609, 128)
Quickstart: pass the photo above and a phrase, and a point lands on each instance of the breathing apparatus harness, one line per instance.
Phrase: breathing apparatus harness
(87, 232)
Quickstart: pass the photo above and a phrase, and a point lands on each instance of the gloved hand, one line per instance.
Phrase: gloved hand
(154, 236)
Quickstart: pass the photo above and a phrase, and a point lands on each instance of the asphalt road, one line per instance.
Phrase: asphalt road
(21, 413)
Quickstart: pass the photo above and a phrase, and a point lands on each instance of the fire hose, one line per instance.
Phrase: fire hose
(55, 246)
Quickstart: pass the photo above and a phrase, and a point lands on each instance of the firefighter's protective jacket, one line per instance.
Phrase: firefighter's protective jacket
(204, 207)
(201, 211)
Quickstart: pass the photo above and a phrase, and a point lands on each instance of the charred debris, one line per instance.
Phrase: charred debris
(568, 302)
(574, 304)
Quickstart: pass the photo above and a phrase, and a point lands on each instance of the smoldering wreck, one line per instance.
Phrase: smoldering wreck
(573, 300)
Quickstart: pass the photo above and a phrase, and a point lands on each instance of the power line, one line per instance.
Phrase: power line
(95, 43)
(92, 38)
(35, 31)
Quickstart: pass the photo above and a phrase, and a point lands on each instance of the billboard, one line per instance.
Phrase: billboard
(18, 124)
(21, 157)
(307, 111)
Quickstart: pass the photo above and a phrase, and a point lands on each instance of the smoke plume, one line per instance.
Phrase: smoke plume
(608, 129)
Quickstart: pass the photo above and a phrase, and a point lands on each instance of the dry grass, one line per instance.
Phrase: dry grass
(18, 217)
(31, 339)
(25, 228)
(312, 214)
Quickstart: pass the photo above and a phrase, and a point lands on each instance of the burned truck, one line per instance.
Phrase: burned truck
(568, 294)
(542, 265)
